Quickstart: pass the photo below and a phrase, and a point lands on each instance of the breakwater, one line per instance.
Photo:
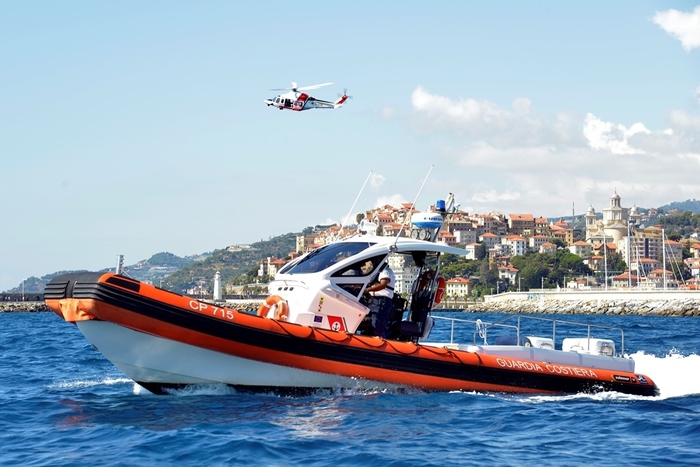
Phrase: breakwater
(581, 305)
(671, 307)
(6, 307)
(614, 302)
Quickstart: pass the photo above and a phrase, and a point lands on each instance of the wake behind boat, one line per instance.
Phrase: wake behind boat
(315, 331)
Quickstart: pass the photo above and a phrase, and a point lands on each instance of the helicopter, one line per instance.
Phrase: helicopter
(297, 100)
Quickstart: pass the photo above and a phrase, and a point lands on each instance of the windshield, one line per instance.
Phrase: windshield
(320, 259)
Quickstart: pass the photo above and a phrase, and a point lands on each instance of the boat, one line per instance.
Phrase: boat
(312, 331)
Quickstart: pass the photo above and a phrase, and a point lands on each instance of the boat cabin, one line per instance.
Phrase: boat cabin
(326, 288)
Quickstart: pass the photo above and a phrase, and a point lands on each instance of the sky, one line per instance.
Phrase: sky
(136, 127)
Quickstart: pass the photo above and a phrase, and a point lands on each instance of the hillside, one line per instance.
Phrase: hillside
(232, 263)
(691, 205)
(152, 270)
(178, 274)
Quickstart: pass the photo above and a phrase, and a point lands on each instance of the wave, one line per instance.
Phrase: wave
(674, 373)
(89, 383)
(671, 373)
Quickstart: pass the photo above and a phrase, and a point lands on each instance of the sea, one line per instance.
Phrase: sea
(63, 404)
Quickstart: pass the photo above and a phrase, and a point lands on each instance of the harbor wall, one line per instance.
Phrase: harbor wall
(548, 301)
(617, 302)
(25, 306)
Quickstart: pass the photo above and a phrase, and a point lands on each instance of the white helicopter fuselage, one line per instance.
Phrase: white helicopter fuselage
(299, 101)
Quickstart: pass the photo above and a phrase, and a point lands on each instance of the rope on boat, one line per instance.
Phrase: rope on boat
(344, 336)
(398, 350)
(286, 327)
(369, 340)
(456, 355)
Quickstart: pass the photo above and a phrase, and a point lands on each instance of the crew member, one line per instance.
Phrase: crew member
(382, 293)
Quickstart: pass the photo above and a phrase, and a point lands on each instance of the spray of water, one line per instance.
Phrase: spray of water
(675, 375)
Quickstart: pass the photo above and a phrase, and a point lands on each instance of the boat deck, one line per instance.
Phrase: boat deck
(583, 350)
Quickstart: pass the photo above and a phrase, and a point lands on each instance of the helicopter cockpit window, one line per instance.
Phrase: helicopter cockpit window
(326, 256)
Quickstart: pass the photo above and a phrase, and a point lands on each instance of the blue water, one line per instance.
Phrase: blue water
(62, 404)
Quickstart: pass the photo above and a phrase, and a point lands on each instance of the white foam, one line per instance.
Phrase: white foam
(89, 383)
(675, 375)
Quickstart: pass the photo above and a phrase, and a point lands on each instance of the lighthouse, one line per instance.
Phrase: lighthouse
(217, 286)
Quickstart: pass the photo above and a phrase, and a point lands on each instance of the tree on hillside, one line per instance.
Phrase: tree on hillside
(573, 264)
(480, 251)
(558, 242)
(488, 274)
(464, 268)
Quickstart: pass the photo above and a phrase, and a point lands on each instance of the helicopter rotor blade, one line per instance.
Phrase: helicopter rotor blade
(314, 86)
(293, 88)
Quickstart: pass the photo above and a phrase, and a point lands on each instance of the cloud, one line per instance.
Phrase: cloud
(683, 26)
(692, 156)
(392, 200)
(376, 180)
(491, 196)
(607, 135)
(520, 125)
(683, 121)
(518, 160)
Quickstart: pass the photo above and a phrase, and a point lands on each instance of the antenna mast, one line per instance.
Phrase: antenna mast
(414, 202)
(353, 205)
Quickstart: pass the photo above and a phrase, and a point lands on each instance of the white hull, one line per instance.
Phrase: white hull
(150, 359)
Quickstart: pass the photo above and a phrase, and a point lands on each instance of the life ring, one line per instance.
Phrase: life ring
(277, 303)
(440, 292)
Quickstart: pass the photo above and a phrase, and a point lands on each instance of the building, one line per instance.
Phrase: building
(521, 224)
(626, 279)
(537, 241)
(447, 238)
(270, 266)
(516, 243)
(471, 250)
(581, 248)
(548, 247)
(644, 266)
(404, 274)
(615, 223)
(562, 231)
(509, 273)
(595, 262)
(458, 287)
(490, 240)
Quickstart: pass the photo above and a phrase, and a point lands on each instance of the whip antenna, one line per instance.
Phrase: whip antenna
(353, 205)
(413, 204)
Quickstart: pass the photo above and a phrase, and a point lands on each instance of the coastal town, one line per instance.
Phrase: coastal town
(498, 240)
(650, 256)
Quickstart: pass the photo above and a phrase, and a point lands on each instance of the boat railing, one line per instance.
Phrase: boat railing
(481, 328)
